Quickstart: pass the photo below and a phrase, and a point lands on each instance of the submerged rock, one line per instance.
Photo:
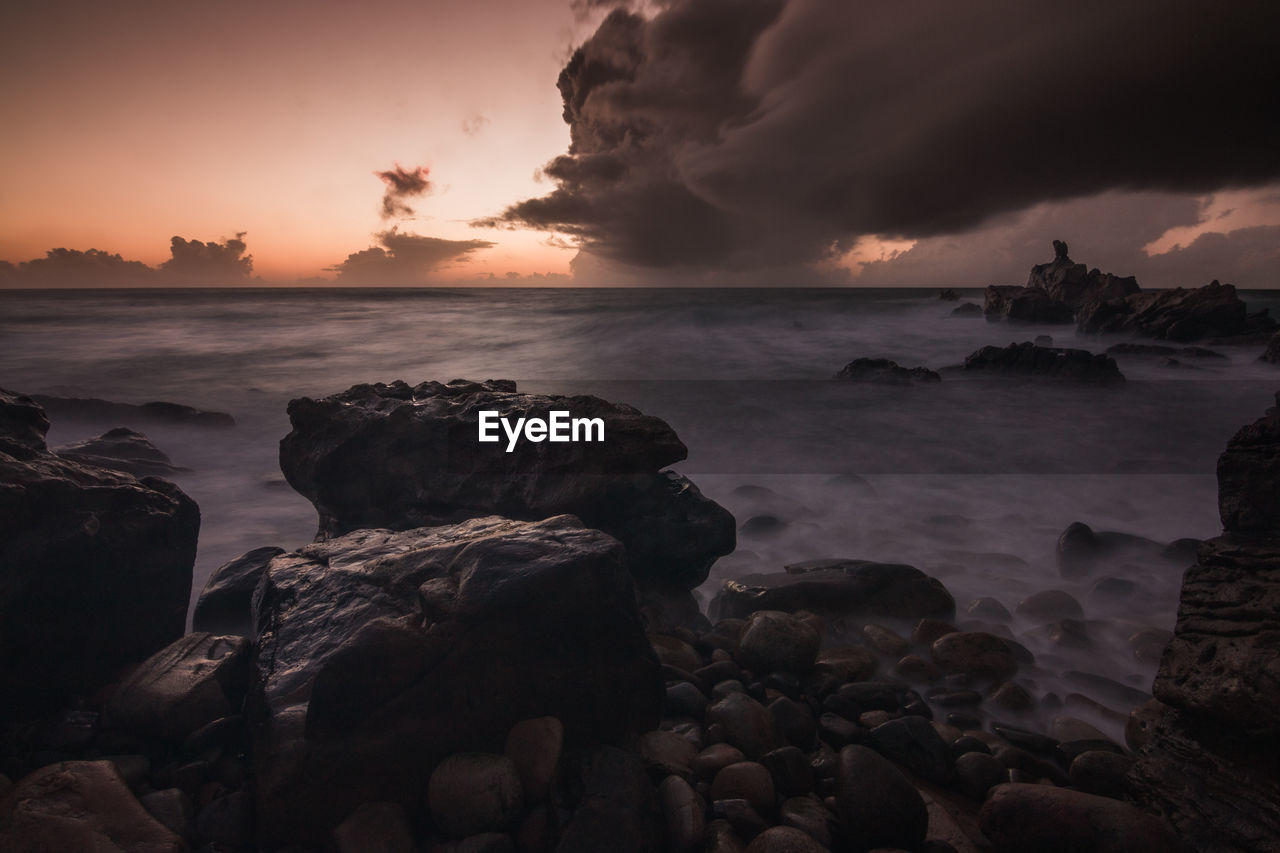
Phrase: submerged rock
(1212, 311)
(967, 309)
(337, 452)
(158, 412)
(1081, 549)
(837, 588)
(380, 653)
(120, 449)
(96, 564)
(1031, 361)
(885, 372)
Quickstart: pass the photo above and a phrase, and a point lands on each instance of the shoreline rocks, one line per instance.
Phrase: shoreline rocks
(885, 372)
(1027, 360)
(1214, 311)
(336, 456)
(120, 449)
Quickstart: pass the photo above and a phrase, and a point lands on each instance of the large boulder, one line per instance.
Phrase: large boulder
(225, 605)
(120, 449)
(838, 588)
(1208, 758)
(1058, 820)
(1029, 360)
(381, 652)
(1212, 311)
(400, 457)
(1025, 305)
(80, 805)
(188, 684)
(1074, 284)
(95, 566)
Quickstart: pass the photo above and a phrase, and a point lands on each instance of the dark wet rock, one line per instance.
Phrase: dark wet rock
(885, 640)
(853, 700)
(1025, 305)
(1212, 311)
(1271, 355)
(792, 774)
(977, 773)
(1142, 722)
(882, 371)
(876, 803)
(774, 640)
(747, 724)
(1036, 742)
(120, 449)
(683, 817)
(1069, 633)
(226, 604)
(183, 687)
(1112, 588)
(666, 754)
(619, 808)
(375, 828)
(762, 525)
(1049, 819)
(784, 839)
(967, 309)
(227, 820)
(1148, 644)
(839, 664)
(915, 744)
(1012, 696)
(1102, 772)
(721, 837)
(838, 588)
(1081, 549)
(916, 668)
(948, 295)
(675, 652)
(1049, 605)
(745, 780)
(710, 761)
(976, 653)
(927, 630)
(836, 731)
(172, 809)
(1249, 477)
(810, 816)
(989, 609)
(335, 456)
(80, 805)
(534, 747)
(1075, 284)
(470, 793)
(685, 700)
(354, 680)
(954, 697)
(1026, 360)
(1105, 688)
(97, 566)
(91, 408)
(1044, 340)
(794, 721)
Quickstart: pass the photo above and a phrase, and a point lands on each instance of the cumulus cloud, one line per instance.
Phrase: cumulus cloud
(402, 184)
(404, 258)
(213, 263)
(742, 134)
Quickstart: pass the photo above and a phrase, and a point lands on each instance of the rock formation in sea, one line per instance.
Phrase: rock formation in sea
(96, 566)
(1028, 360)
(1209, 761)
(882, 371)
(399, 457)
(120, 449)
(1213, 312)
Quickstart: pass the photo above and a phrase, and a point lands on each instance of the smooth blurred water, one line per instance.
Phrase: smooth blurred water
(971, 481)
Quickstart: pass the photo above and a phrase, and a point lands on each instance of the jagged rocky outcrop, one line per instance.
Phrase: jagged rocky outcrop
(885, 372)
(156, 412)
(381, 652)
(1208, 763)
(96, 565)
(399, 457)
(1073, 284)
(838, 588)
(120, 449)
(1214, 311)
(225, 605)
(1025, 305)
(1031, 361)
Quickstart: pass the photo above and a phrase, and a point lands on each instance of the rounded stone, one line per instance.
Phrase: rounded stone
(471, 793)
(534, 748)
(876, 802)
(785, 839)
(774, 640)
(977, 773)
(976, 653)
(683, 815)
(1049, 605)
(746, 780)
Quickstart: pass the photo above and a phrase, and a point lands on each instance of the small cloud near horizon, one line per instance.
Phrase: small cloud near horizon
(404, 258)
(403, 184)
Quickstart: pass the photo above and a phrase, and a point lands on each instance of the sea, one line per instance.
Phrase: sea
(971, 481)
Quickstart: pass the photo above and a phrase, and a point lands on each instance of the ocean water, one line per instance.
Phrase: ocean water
(971, 481)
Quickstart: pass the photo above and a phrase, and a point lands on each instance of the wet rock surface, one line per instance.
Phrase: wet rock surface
(225, 605)
(336, 456)
(380, 653)
(120, 449)
(1027, 360)
(885, 372)
(1214, 311)
(96, 564)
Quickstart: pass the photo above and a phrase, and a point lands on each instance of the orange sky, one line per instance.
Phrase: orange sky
(128, 123)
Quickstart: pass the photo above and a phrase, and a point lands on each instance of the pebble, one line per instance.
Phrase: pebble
(534, 747)
(976, 653)
(745, 780)
(1048, 606)
(876, 803)
(913, 743)
(747, 724)
(683, 815)
(470, 793)
(785, 839)
(773, 640)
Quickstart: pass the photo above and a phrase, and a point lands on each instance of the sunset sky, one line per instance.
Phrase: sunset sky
(759, 141)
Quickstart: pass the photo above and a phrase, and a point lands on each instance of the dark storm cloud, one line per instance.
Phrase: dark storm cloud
(403, 258)
(221, 262)
(401, 184)
(739, 134)
(76, 268)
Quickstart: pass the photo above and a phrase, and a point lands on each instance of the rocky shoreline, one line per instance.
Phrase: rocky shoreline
(493, 652)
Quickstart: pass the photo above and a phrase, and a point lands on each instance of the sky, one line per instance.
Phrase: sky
(575, 142)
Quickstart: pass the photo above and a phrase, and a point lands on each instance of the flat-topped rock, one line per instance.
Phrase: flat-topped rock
(1027, 360)
(337, 456)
